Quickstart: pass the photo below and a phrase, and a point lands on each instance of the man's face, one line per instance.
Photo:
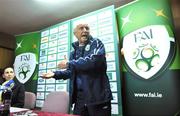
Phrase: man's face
(82, 33)
(8, 74)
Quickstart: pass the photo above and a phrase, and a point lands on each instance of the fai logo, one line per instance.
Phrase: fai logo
(24, 66)
(148, 51)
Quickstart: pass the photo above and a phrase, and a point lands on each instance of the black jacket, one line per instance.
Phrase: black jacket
(91, 68)
(18, 95)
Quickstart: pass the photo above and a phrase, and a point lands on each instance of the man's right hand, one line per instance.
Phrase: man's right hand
(47, 75)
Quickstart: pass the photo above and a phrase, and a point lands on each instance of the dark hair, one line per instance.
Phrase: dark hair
(1, 76)
(7, 67)
(1, 72)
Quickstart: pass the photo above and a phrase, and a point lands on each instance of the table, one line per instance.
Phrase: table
(27, 112)
(41, 113)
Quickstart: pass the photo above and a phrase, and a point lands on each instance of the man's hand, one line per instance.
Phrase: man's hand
(47, 75)
(63, 64)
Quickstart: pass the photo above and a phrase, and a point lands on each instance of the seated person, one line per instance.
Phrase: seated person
(17, 88)
(1, 79)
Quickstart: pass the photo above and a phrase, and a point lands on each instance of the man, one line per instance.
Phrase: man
(17, 88)
(86, 68)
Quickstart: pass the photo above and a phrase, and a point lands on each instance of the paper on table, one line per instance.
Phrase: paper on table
(15, 109)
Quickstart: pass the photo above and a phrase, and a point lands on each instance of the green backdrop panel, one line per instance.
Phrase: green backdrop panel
(150, 59)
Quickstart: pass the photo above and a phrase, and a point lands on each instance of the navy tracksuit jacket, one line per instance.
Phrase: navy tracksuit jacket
(87, 73)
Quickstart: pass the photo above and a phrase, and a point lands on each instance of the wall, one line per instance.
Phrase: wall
(175, 5)
(7, 46)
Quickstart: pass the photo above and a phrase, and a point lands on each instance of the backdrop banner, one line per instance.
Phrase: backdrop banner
(26, 60)
(150, 69)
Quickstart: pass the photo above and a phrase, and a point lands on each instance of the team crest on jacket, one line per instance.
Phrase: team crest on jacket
(148, 51)
(87, 48)
(24, 66)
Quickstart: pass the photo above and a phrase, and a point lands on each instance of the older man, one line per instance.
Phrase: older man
(86, 69)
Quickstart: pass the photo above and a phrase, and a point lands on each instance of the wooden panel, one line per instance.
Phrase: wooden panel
(175, 5)
(6, 57)
(7, 41)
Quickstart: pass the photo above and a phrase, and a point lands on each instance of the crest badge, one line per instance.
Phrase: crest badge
(24, 66)
(87, 48)
(148, 51)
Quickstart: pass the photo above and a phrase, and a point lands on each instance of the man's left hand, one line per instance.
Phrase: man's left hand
(63, 64)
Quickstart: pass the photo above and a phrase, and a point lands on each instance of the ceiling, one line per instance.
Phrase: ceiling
(23, 16)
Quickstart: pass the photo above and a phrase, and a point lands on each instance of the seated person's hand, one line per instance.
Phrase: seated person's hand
(47, 75)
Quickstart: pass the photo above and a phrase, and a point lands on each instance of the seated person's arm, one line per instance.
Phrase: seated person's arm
(20, 97)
